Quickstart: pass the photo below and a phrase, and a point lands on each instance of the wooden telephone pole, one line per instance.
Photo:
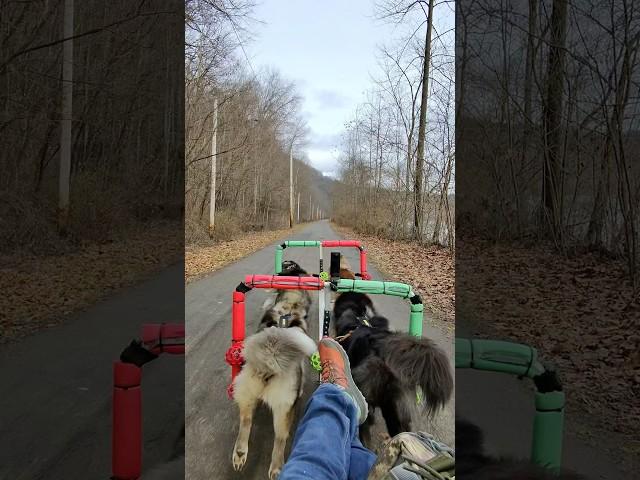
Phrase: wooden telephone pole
(291, 186)
(67, 114)
(214, 164)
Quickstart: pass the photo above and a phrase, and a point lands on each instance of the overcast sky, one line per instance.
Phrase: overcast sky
(329, 48)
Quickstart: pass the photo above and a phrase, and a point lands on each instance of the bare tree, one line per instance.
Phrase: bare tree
(417, 212)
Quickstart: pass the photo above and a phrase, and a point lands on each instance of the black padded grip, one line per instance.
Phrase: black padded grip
(334, 270)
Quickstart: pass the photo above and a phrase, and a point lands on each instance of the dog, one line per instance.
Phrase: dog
(388, 366)
(473, 462)
(273, 371)
(290, 307)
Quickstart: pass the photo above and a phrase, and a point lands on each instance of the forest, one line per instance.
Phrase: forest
(90, 120)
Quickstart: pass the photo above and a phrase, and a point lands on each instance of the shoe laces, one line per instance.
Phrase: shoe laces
(329, 372)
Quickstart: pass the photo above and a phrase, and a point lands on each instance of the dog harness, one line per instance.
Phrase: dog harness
(363, 320)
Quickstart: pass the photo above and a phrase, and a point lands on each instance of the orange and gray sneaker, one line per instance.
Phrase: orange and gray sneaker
(336, 370)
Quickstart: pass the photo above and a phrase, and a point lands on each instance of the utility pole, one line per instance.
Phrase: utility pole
(291, 186)
(67, 114)
(298, 210)
(214, 153)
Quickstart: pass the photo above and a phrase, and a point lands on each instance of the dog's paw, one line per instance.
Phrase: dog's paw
(239, 459)
(274, 472)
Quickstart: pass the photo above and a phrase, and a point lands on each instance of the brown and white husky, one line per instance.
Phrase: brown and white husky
(273, 371)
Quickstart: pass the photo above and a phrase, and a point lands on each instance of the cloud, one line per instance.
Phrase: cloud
(331, 99)
(323, 160)
(328, 141)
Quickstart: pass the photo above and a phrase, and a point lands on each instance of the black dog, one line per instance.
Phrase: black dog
(388, 366)
(472, 462)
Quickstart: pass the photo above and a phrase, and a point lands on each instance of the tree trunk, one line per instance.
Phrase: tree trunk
(551, 187)
(417, 190)
(528, 77)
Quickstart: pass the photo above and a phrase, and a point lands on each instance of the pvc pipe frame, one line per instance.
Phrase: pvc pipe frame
(320, 244)
(126, 435)
(238, 323)
(521, 360)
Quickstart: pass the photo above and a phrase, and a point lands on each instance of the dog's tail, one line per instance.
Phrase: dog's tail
(275, 350)
(419, 362)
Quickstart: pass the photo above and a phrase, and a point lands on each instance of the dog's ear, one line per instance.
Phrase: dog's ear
(268, 303)
(347, 274)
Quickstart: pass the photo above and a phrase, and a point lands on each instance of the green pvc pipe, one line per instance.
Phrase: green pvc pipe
(497, 356)
(395, 289)
(548, 426)
(521, 360)
(415, 319)
(279, 252)
(375, 287)
(302, 243)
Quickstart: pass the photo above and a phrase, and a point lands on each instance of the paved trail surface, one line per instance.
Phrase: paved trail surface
(212, 422)
(55, 400)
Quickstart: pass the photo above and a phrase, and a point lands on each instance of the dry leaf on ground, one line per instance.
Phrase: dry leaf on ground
(585, 320)
(200, 260)
(428, 269)
(38, 291)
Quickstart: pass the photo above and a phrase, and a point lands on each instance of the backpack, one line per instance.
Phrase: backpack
(414, 456)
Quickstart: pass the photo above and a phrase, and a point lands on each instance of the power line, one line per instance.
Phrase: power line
(243, 50)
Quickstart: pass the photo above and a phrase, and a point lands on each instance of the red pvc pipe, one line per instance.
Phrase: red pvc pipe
(237, 317)
(341, 243)
(284, 283)
(363, 265)
(164, 338)
(234, 353)
(126, 440)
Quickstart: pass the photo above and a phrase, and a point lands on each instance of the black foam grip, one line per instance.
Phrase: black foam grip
(547, 382)
(334, 269)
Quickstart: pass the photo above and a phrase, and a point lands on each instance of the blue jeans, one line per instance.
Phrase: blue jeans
(326, 444)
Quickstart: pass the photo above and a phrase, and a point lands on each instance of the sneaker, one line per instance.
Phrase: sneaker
(336, 370)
